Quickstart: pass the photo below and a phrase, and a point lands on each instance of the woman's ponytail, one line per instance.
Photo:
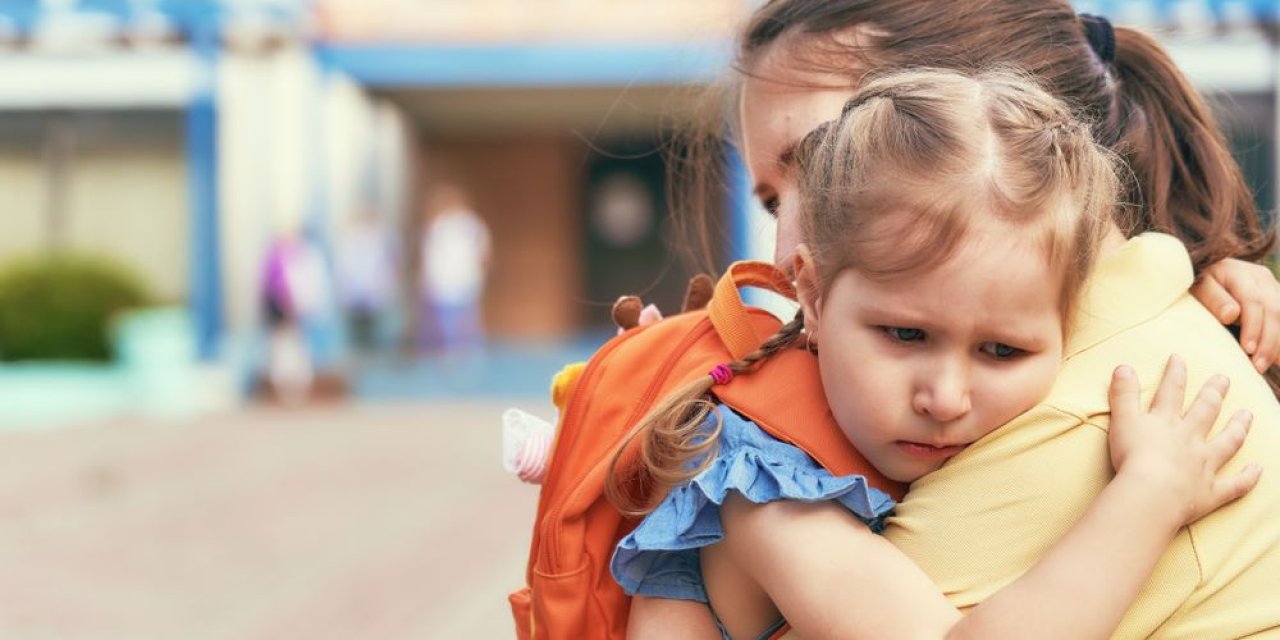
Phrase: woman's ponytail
(1187, 181)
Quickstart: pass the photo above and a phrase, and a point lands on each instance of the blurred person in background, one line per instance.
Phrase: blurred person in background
(294, 283)
(366, 276)
(455, 260)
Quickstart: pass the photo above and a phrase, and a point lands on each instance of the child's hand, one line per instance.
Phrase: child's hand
(1170, 450)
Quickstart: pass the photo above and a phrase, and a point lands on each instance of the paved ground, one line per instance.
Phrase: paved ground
(358, 522)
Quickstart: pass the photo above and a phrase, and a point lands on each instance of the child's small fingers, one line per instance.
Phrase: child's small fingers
(1204, 410)
(1173, 387)
(1233, 487)
(1124, 394)
(1225, 445)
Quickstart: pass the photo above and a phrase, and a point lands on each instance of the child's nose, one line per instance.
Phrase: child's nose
(944, 394)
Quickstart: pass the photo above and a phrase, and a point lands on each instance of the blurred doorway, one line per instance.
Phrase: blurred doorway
(626, 229)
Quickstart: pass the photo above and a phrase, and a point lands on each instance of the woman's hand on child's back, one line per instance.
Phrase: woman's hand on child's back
(1169, 450)
(1244, 293)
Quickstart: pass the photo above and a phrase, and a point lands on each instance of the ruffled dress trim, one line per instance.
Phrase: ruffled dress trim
(660, 557)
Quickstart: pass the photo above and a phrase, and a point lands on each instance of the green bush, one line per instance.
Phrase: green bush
(59, 306)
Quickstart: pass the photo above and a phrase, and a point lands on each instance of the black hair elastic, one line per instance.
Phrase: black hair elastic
(1102, 37)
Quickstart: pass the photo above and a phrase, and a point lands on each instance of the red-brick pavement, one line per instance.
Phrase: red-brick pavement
(377, 522)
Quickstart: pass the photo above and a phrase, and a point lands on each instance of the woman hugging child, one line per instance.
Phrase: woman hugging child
(950, 223)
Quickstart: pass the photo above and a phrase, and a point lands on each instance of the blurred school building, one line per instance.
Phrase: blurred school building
(182, 135)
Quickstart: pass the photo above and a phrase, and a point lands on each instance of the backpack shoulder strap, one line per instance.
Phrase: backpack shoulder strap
(729, 315)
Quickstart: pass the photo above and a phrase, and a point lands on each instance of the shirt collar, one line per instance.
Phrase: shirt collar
(1129, 286)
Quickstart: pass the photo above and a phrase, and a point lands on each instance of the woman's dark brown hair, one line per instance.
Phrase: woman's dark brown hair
(1184, 180)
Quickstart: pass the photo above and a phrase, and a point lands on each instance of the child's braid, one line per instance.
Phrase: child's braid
(674, 445)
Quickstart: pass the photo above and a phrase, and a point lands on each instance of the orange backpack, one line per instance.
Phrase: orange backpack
(570, 592)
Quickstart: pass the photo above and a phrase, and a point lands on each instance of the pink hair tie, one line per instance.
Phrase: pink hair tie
(721, 374)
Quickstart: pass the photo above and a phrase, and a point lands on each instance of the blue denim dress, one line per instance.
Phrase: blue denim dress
(660, 558)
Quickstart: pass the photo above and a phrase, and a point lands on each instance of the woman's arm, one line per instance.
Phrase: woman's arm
(1242, 292)
(831, 577)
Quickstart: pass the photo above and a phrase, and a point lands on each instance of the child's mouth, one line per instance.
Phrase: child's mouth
(927, 451)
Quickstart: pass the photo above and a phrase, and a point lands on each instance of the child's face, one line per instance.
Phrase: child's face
(917, 368)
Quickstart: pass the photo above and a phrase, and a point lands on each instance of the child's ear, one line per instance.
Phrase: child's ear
(807, 287)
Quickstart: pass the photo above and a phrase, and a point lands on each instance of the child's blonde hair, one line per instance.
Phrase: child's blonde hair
(893, 187)
(918, 157)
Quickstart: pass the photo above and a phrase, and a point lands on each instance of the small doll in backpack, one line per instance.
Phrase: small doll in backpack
(950, 222)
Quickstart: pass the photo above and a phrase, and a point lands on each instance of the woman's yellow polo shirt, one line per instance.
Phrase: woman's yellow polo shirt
(986, 516)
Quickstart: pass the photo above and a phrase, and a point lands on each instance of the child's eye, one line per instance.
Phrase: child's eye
(905, 334)
(1000, 351)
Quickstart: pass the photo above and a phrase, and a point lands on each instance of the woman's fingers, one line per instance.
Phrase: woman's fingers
(1234, 290)
(1173, 387)
(1216, 298)
(1269, 343)
(1264, 352)
(1252, 319)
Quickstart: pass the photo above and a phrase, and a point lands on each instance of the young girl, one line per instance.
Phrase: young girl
(948, 225)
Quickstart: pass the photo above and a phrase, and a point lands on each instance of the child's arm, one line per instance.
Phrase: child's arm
(832, 577)
(656, 618)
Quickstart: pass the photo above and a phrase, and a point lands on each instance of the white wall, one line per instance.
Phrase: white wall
(22, 227)
(123, 191)
(132, 203)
